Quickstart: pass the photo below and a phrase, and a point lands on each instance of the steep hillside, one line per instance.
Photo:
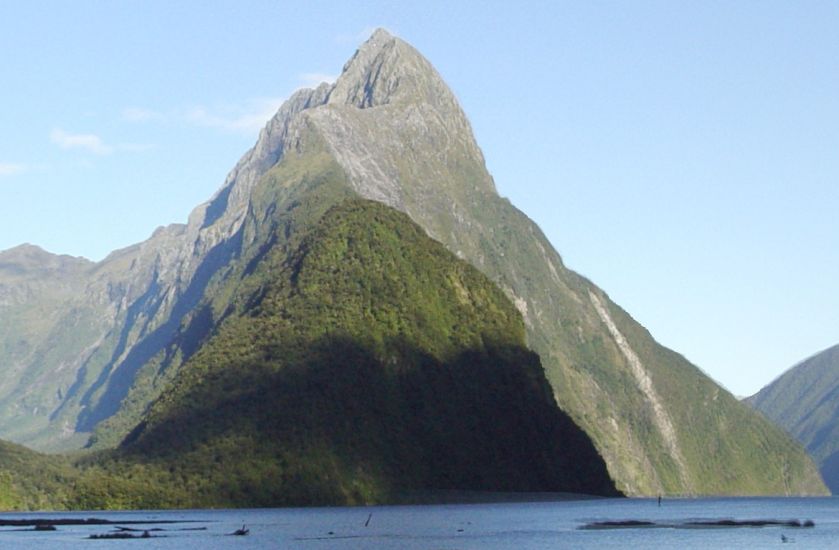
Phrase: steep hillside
(805, 402)
(368, 363)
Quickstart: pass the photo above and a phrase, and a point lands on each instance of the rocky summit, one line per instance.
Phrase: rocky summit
(118, 333)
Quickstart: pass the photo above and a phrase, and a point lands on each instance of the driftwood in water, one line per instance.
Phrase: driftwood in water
(121, 535)
(34, 522)
(240, 532)
(697, 524)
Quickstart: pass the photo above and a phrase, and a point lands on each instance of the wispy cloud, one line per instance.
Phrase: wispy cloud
(11, 169)
(139, 114)
(355, 38)
(92, 143)
(246, 118)
(312, 80)
(87, 142)
(135, 147)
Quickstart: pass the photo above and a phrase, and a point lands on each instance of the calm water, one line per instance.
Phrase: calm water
(472, 526)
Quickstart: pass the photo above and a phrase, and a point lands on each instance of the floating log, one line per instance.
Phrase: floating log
(240, 532)
(698, 524)
(120, 535)
(34, 522)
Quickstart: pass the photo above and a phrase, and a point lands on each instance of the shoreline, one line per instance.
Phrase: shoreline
(487, 497)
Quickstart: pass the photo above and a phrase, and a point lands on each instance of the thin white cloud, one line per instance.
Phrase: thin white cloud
(139, 114)
(93, 143)
(135, 147)
(356, 38)
(87, 142)
(312, 80)
(11, 169)
(247, 118)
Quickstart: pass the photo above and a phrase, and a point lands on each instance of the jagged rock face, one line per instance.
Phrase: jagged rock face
(805, 402)
(396, 133)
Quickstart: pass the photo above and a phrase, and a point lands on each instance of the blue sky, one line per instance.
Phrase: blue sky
(683, 155)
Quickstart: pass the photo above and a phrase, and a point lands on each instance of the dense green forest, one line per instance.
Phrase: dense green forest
(369, 364)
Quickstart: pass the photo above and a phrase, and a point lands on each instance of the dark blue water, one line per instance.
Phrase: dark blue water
(543, 525)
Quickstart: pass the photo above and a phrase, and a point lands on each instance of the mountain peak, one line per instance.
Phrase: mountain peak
(379, 38)
(24, 249)
(386, 70)
(30, 258)
(380, 34)
(31, 253)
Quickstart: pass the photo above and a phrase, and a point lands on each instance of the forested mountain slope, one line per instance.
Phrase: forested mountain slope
(805, 402)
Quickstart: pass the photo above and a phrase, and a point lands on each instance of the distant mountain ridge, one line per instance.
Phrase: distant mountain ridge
(805, 402)
(388, 130)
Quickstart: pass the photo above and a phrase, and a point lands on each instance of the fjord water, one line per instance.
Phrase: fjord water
(539, 525)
